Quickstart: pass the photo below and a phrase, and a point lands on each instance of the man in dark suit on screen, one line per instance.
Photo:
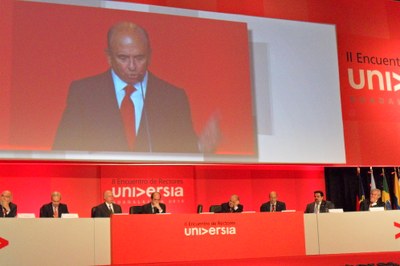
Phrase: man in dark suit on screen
(55, 208)
(128, 108)
(155, 206)
(319, 205)
(273, 205)
(233, 205)
(108, 207)
(374, 200)
(8, 209)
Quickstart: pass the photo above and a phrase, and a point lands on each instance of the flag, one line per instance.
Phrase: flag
(361, 193)
(385, 192)
(396, 189)
(373, 184)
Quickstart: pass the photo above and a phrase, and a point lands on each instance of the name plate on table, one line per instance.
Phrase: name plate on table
(335, 210)
(376, 209)
(69, 215)
(26, 215)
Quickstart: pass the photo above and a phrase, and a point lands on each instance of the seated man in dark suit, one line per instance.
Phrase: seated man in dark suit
(55, 208)
(128, 108)
(233, 205)
(108, 207)
(319, 205)
(155, 206)
(8, 209)
(273, 205)
(373, 202)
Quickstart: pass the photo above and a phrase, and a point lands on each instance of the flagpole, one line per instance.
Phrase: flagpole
(385, 192)
(361, 194)
(373, 184)
(396, 188)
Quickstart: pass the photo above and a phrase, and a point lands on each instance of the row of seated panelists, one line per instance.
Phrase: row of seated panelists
(139, 209)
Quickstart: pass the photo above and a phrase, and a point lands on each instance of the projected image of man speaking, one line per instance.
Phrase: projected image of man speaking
(128, 108)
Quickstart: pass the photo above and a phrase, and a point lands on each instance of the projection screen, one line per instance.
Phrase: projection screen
(211, 87)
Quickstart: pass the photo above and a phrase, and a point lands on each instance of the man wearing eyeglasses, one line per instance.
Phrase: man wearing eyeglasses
(155, 205)
(8, 209)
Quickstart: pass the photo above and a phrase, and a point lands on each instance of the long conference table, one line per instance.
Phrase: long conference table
(127, 239)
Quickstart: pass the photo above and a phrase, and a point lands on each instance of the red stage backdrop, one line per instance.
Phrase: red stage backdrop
(134, 185)
(368, 52)
(182, 187)
(32, 183)
(370, 71)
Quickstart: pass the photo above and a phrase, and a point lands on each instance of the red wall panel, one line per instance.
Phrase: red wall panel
(133, 185)
(32, 183)
(194, 237)
(294, 184)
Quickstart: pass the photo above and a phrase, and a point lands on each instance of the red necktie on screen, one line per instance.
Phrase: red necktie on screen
(128, 116)
(273, 208)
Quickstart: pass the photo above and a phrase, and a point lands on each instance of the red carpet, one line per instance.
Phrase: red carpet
(326, 260)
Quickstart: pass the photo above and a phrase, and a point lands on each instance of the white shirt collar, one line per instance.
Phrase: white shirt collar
(120, 84)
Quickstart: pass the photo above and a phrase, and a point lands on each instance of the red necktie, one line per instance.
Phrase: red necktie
(273, 208)
(55, 212)
(128, 116)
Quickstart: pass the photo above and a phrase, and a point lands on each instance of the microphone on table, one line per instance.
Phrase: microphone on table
(199, 208)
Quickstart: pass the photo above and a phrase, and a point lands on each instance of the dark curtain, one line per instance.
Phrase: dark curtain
(342, 184)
